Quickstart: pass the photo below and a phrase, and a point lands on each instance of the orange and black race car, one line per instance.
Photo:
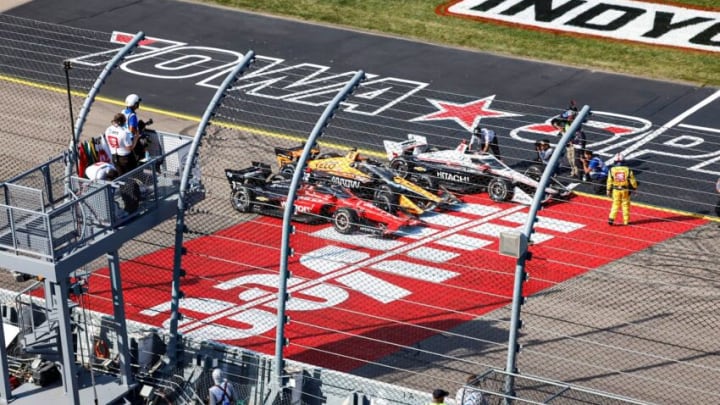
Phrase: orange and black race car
(372, 181)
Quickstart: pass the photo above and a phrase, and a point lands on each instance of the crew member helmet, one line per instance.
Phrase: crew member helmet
(619, 158)
(218, 376)
(132, 99)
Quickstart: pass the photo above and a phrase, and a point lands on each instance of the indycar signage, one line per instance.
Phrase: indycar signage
(630, 20)
(315, 85)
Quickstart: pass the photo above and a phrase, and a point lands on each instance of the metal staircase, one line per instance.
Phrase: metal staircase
(52, 225)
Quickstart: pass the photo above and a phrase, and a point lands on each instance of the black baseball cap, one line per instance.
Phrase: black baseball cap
(438, 393)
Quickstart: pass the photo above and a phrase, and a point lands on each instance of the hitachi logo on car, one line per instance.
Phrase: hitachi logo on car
(345, 182)
(630, 20)
(453, 177)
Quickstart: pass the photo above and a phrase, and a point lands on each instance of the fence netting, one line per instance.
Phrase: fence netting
(628, 311)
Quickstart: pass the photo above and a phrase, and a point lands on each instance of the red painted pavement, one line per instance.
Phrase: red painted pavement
(358, 325)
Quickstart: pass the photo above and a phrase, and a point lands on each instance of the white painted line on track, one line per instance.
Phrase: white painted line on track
(432, 255)
(476, 209)
(699, 128)
(366, 241)
(329, 258)
(463, 242)
(546, 223)
(445, 220)
(414, 270)
(673, 122)
(493, 230)
(374, 287)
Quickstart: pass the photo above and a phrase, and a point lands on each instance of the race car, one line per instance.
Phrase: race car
(465, 172)
(372, 181)
(287, 157)
(256, 189)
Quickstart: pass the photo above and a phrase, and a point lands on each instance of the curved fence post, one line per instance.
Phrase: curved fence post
(520, 275)
(287, 228)
(90, 99)
(185, 184)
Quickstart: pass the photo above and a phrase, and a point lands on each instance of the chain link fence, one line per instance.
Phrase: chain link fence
(612, 313)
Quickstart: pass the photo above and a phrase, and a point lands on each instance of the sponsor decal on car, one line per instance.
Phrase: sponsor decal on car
(628, 20)
(453, 177)
(345, 182)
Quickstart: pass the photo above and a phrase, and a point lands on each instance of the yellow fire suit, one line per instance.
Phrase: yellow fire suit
(620, 181)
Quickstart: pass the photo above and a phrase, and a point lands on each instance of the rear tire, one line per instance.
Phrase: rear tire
(345, 221)
(287, 170)
(242, 199)
(500, 190)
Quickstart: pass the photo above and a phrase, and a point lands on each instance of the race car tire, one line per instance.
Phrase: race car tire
(500, 190)
(386, 202)
(287, 170)
(279, 177)
(382, 189)
(242, 199)
(400, 166)
(345, 221)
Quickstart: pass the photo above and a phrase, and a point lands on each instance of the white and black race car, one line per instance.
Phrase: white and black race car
(467, 172)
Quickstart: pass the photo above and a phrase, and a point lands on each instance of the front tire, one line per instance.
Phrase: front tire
(385, 202)
(500, 190)
(400, 166)
(279, 177)
(345, 221)
(242, 199)
(382, 189)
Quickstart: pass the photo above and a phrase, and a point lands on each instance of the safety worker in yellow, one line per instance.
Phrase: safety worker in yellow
(620, 182)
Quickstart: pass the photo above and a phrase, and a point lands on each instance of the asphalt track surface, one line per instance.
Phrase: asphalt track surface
(685, 119)
(462, 72)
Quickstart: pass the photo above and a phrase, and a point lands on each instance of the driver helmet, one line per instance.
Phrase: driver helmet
(132, 99)
(353, 155)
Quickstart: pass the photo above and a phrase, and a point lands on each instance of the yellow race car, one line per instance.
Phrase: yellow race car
(371, 180)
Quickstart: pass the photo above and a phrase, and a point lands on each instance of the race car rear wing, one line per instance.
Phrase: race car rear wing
(258, 171)
(415, 143)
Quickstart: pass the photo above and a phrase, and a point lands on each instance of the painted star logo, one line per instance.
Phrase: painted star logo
(467, 115)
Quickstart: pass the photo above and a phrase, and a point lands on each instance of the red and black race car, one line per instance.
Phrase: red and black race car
(256, 189)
